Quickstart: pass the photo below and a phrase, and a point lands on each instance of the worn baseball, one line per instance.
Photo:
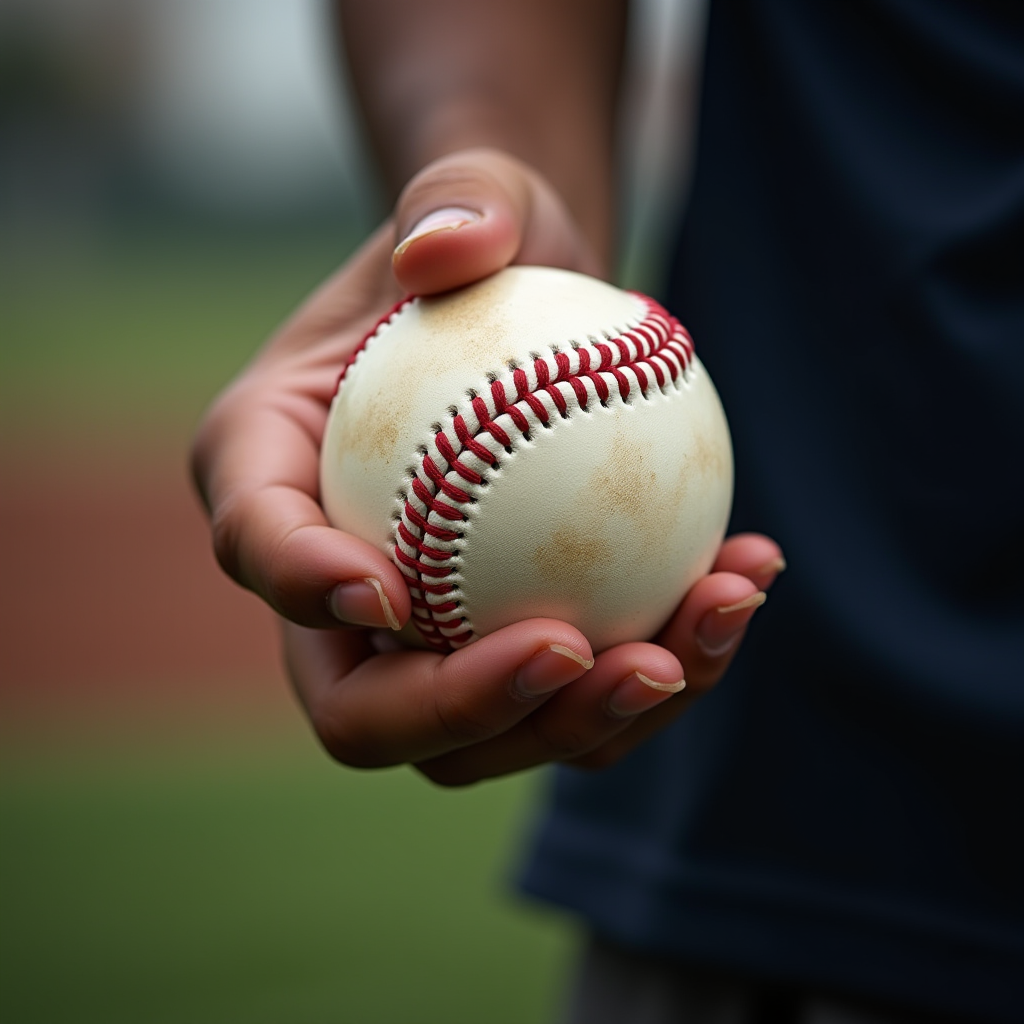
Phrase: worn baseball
(537, 444)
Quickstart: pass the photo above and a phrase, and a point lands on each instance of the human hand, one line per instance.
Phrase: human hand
(527, 694)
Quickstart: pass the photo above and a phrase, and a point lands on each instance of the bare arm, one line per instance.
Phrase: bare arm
(538, 79)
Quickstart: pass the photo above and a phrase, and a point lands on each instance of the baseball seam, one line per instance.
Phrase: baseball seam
(452, 474)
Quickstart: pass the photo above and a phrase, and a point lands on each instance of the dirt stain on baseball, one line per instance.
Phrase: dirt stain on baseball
(707, 457)
(626, 484)
(574, 560)
(628, 487)
(471, 326)
(370, 432)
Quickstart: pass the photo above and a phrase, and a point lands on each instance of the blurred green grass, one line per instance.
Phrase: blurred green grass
(221, 875)
(242, 881)
(139, 325)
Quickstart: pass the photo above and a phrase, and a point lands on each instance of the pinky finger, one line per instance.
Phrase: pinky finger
(752, 555)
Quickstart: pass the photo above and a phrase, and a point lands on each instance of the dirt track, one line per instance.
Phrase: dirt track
(109, 591)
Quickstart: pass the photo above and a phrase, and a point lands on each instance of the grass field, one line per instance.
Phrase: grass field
(221, 869)
(138, 326)
(233, 880)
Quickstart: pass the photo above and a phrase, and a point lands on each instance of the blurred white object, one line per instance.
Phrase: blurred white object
(240, 106)
(658, 125)
(244, 109)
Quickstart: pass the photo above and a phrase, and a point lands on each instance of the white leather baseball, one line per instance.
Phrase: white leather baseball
(537, 444)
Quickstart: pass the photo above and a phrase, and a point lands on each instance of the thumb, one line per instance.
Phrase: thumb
(472, 213)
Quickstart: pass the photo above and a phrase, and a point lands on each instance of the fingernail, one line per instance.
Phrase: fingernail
(638, 693)
(548, 670)
(719, 631)
(447, 219)
(362, 603)
(771, 569)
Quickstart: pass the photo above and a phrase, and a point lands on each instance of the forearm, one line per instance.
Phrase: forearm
(536, 78)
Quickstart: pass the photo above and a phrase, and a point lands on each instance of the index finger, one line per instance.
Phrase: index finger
(271, 535)
(256, 460)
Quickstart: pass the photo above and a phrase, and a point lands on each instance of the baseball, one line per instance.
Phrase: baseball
(540, 443)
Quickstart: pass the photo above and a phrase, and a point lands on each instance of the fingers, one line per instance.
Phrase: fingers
(524, 695)
(720, 607)
(256, 462)
(705, 633)
(277, 543)
(470, 214)
(624, 685)
(708, 626)
(258, 466)
(418, 705)
(752, 555)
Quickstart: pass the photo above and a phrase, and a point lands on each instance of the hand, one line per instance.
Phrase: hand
(523, 696)
(527, 694)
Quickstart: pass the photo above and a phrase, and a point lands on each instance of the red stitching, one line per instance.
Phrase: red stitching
(518, 418)
(453, 492)
(656, 351)
(538, 408)
(448, 606)
(444, 446)
(437, 572)
(374, 331)
(429, 528)
(438, 554)
(487, 424)
(599, 386)
(471, 443)
(559, 399)
(430, 588)
(446, 511)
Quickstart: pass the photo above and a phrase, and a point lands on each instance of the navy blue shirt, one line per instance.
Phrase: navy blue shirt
(845, 810)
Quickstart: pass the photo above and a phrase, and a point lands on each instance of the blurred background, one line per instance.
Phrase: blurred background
(173, 845)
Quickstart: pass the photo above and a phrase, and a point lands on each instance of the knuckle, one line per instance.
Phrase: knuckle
(278, 581)
(257, 561)
(703, 679)
(462, 722)
(451, 172)
(344, 744)
(447, 776)
(464, 173)
(602, 757)
(562, 742)
(262, 560)
(226, 530)
(207, 439)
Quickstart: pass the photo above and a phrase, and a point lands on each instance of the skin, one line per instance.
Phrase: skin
(439, 103)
